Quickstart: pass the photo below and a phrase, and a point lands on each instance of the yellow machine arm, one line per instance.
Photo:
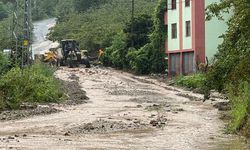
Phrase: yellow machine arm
(50, 56)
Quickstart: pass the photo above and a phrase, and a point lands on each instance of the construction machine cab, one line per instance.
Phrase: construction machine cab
(70, 52)
(69, 45)
(72, 55)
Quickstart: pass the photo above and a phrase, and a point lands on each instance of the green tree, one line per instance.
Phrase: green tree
(64, 8)
(154, 50)
(96, 27)
(232, 62)
(3, 11)
(231, 68)
(138, 31)
(84, 5)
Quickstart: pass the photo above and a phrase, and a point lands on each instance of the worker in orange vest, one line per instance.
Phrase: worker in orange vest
(100, 53)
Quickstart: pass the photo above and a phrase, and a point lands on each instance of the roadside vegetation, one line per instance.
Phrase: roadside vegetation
(230, 71)
(141, 50)
(195, 81)
(132, 44)
(35, 84)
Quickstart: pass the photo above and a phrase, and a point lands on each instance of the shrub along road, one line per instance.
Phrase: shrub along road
(123, 112)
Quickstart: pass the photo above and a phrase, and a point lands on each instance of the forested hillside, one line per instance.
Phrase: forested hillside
(135, 45)
(94, 23)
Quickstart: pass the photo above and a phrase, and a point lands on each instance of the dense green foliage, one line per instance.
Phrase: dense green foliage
(84, 5)
(5, 38)
(193, 81)
(33, 85)
(5, 64)
(137, 46)
(151, 57)
(43, 9)
(96, 26)
(3, 11)
(147, 57)
(123, 51)
(230, 71)
(232, 62)
(240, 107)
(157, 54)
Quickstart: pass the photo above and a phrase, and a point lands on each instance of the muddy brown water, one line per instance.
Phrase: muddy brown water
(123, 112)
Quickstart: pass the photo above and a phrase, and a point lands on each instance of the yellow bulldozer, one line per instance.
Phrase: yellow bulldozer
(68, 54)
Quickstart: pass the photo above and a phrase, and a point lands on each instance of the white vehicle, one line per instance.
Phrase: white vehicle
(7, 52)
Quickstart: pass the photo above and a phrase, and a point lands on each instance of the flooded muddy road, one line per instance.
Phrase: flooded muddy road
(123, 112)
(40, 43)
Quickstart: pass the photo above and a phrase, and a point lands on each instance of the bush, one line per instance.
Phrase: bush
(36, 84)
(106, 57)
(139, 60)
(240, 99)
(193, 81)
(4, 64)
(116, 54)
(137, 51)
(151, 57)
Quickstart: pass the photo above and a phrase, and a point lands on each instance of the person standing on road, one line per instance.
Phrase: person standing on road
(100, 53)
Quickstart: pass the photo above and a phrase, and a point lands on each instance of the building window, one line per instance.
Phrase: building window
(174, 30)
(187, 3)
(188, 28)
(173, 4)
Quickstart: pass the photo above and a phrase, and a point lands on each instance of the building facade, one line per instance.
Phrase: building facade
(190, 38)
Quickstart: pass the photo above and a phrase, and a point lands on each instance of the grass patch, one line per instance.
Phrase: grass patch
(36, 84)
(192, 81)
(240, 98)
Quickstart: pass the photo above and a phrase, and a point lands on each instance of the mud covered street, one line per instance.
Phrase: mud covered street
(41, 43)
(123, 112)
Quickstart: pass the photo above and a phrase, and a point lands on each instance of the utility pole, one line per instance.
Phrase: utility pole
(132, 22)
(14, 31)
(26, 52)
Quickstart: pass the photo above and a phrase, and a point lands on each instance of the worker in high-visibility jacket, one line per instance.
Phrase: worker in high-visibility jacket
(100, 53)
